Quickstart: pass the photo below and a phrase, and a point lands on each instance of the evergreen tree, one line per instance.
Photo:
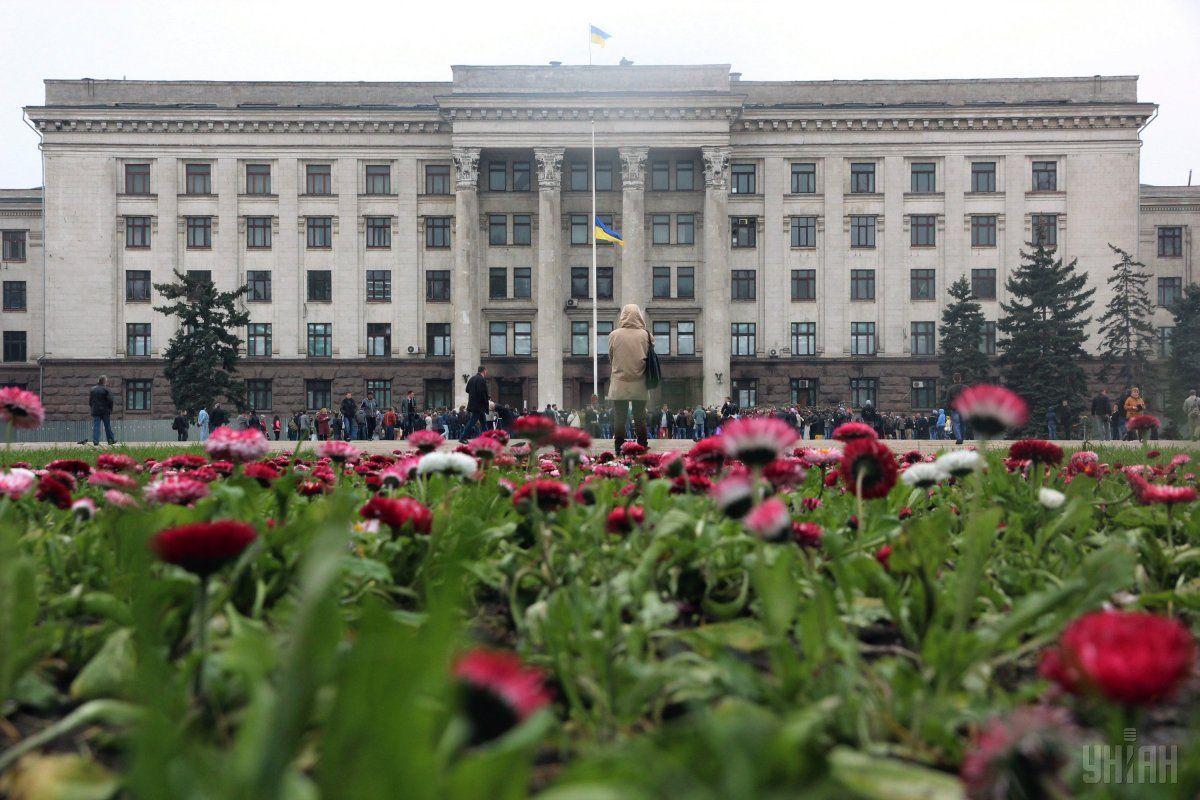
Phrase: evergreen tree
(961, 337)
(1128, 337)
(1184, 362)
(1042, 354)
(203, 354)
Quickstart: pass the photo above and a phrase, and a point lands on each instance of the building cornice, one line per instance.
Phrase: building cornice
(956, 119)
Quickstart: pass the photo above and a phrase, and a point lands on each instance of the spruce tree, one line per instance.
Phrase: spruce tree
(1184, 362)
(1127, 335)
(1042, 354)
(203, 354)
(961, 337)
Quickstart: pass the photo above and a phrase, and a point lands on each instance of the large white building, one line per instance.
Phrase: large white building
(789, 240)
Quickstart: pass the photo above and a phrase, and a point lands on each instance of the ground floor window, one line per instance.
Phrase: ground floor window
(439, 394)
(383, 391)
(863, 391)
(318, 394)
(745, 392)
(137, 394)
(924, 393)
(258, 394)
(804, 391)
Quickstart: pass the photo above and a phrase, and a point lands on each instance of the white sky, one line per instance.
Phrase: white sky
(795, 40)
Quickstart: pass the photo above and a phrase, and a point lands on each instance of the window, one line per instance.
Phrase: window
(14, 294)
(200, 278)
(439, 393)
(258, 232)
(320, 339)
(744, 178)
(320, 231)
(685, 282)
(1164, 341)
(497, 176)
(318, 394)
(258, 339)
(923, 284)
(521, 171)
(579, 229)
(662, 283)
(437, 179)
(660, 229)
(1045, 229)
(983, 230)
(258, 394)
(804, 178)
(522, 283)
(498, 338)
(522, 338)
(685, 338)
(862, 338)
(437, 285)
(862, 231)
(604, 176)
(498, 283)
(804, 231)
(379, 232)
(137, 338)
(745, 392)
(199, 233)
(318, 179)
(579, 339)
(685, 229)
(137, 179)
(320, 286)
(437, 338)
(744, 338)
(1170, 242)
(804, 338)
(382, 389)
(924, 341)
(13, 245)
(603, 329)
(522, 230)
(745, 231)
(804, 284)
(579, 283)
(137, 287)
(258, 286)
(662, 337)
(660, 176)
(378, 179)
(987, 344)
(983, 176)
(258, 179)
(137, 232)
(863, 391)
(579, 176)
(923, 393)
(685, 176)
(15, 348)
(197, 178)
(923, 178)
(604, 283)
(862, 284)
(497, 229)
(744, 285)
(923, 228)
(137, 394)
(437, 232)
(1045, 176)
(862, 178)
(379, 286)
(804, 391)
(983, 284)
(1170, 291)
(379, 339)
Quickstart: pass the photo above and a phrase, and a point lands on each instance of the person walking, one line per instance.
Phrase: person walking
(180, 426)
(202, 422)
(323, 424)
(100, 403)
(408, 413)
(477, 403)
(1134, 404)
(956, 388)
(1191, 415)
(1066, 419)
(1101, 411)
(628, 346)
(277, 426)
(348, 408)
(371, 406)
(219, 417)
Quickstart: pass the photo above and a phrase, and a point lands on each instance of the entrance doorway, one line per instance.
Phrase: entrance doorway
(679, 393)
(511, 392)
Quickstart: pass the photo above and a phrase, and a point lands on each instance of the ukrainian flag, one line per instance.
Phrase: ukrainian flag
(604, 233)
(598, 36)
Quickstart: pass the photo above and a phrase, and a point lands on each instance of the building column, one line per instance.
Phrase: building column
(716, 276)
(635, 287)
(549, 277)
(464, 329)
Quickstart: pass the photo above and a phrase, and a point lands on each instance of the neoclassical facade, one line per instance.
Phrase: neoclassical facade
(790, 241)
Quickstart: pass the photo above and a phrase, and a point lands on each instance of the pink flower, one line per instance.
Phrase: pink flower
(20, 408)
(1022, 755)
(624, 519)
(854, 430)
(116, 462)
(111, 480)
(991, 410)
(807, 534)
(769, 520)
(784, 473)
(177, 490)
(237, 446)
(16, 482)
(426, 441)
(612, 469)
(84, 508)
(400, 473)
(734, 495)
(757, 441)
(338, 450)
(632, 448)
(485, 447)
(119, 499)
(500, 690)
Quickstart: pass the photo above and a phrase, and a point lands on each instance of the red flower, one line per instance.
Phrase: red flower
(203, 548)
(709, 452)
(312, 488)
(849, 431)
(769, 520)
(534, 427)
(632, 448)
(757, 441)
(1141, 422)
(485, 448)
(872, 460)
(398, 513)
(566, 438)
(624, 519)
(500, 691)
(1038, 451)
(694, 483)
(498, 434)
(905, 512)
(20, 408)
(115, 462)
(53, 489)
(784, 473)
(883, 555)
(264, 473)
(991, 410)
(72, 465)
(807, 534)
(184, 461)
(1129, 657)
(550, 495)
(1021, 755)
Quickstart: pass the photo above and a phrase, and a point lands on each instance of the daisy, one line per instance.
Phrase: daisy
(757, 441)
(958, 463)
(734, 495)
(237, 446)
(447, 464)
(923, 475)
(20, 408)
(177, 490)
(1051, 498)
(991, 410)
(499, 691)
(769, 520)
(338, 450)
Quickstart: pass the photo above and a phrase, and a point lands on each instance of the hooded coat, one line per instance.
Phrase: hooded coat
(628, 345)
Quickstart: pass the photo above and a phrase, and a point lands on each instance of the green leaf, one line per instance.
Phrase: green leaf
(108, 673)
(877, 778)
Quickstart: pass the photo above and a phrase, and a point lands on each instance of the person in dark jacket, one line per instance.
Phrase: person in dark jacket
(1101, 412)
(1066, 420)
(180, 426)
(218, 417)
(477, 403)
(348, 408)
(100, 403)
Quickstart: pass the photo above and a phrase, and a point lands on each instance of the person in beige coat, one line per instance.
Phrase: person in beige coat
(628, 345)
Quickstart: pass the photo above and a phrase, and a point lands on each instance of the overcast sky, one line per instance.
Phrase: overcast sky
(795, 40)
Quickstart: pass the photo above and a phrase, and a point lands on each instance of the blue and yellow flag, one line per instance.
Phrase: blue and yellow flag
(598, 36)
(604, 233)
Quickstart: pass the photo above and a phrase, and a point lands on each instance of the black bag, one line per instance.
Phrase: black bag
(653, 368)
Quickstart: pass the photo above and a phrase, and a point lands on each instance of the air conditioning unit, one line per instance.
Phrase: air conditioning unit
(572, 302)
(802, 383)
(413, 349)
(774, 352)
(918, 384)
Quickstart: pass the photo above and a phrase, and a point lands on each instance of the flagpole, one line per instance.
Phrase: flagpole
(592, 280)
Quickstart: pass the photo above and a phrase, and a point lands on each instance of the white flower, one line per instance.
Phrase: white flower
(1051, 498)
(923, 474)
(448, 463)
(959, 462)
